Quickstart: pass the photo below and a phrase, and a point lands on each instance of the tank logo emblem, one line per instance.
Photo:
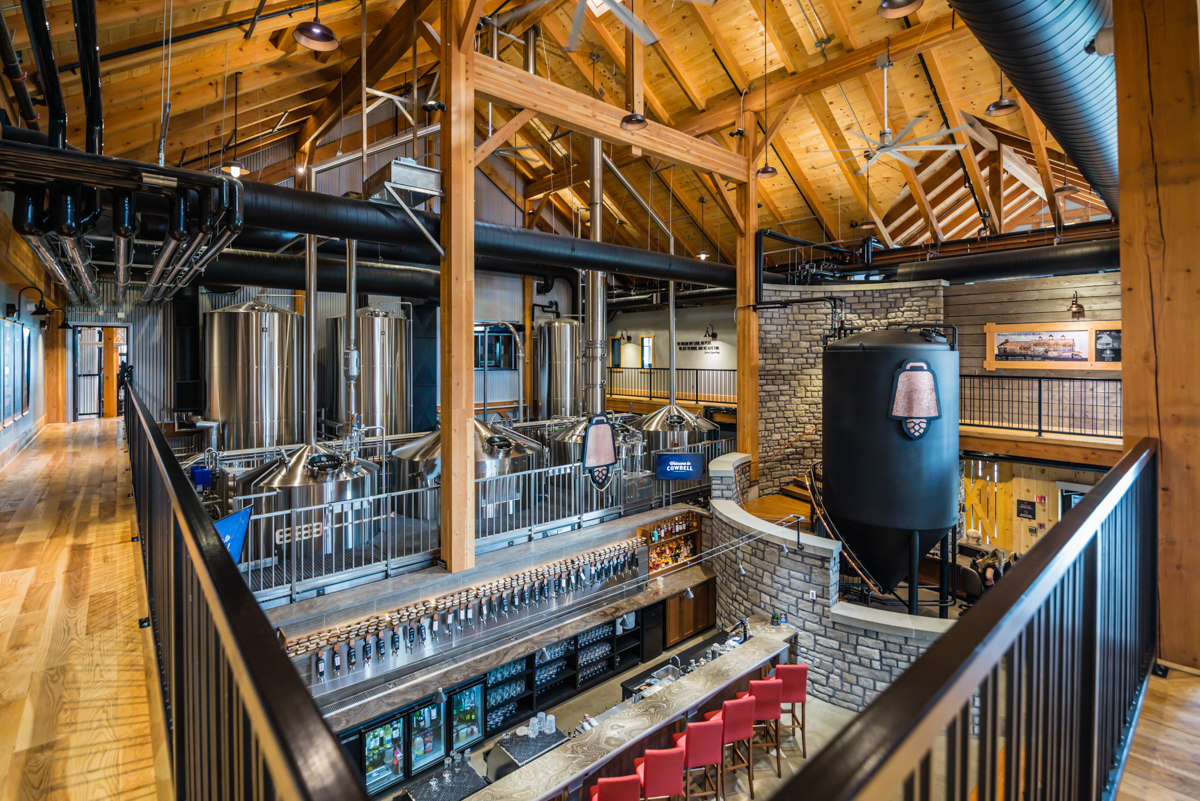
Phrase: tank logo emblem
(599, 451)
(915, 398)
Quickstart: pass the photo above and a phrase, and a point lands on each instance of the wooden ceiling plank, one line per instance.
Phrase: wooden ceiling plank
(675, 64)
(716, 186)
(780, 117)
(721, 45)
(808, 192)
(773, 35)
(823, 76)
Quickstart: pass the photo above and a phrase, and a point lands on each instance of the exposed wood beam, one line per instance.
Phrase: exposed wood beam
(996, 187)
(469, 24)
(616, 51)
(508, 85)
(747, 318)
(457, 292)
(1023, 171)
(537, 212)
(808, 192)
(951, 108)
(777, 41)
(1037, 141)
(392, 42)
(978, 131)
(725, 200)
(674, 63)
(778, 119)
(823, 76)
(635, 68)
(535, 16)
(502, 134)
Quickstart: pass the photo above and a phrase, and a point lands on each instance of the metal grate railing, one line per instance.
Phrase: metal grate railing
(692, 384)
(1086, 406)
(240, 722)
(1034, 694)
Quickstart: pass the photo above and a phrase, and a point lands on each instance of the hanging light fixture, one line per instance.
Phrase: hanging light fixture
(40, 309)
(316, 35)
(1076, 308)
(898, 9)
(1005, 105)
(1067, 189)
(235, 167)
(741, 569)
(766, 170)
(703, 254)
(439, 697)
(688, 594)
(633, 121)
(64, 325)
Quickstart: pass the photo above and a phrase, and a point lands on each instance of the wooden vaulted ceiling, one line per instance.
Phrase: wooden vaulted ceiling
(819, 75)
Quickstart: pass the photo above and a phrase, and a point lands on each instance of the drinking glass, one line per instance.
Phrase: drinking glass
(446, 768)
(457, 762)
(433, 786)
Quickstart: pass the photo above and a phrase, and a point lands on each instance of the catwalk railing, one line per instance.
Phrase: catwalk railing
(1034, 693)
(1085, 406)
(240, 722)
(692, 385)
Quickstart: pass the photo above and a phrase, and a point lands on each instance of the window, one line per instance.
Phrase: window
(614, 350)
(647, 353)
(495, 345)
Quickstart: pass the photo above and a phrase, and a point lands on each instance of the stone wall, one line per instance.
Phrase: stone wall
(853, 652)
(790, 344)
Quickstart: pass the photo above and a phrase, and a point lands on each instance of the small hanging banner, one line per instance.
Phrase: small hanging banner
(599, 451)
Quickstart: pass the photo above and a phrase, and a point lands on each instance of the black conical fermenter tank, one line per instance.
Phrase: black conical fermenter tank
(890, 444)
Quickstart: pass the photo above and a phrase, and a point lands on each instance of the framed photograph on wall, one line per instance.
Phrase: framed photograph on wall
(1080, 345)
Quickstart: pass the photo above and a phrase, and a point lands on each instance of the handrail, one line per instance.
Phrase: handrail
(302, 756)
(884, 747)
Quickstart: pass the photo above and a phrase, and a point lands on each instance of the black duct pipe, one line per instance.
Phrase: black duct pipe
(1076, 258)
(89, 68)
(16, 77)
(43, 54)
(286, 271)
(1040, 47)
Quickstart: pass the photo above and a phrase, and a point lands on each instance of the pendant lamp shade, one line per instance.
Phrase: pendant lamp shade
(316, 35)
(633, 121)
(898, 9)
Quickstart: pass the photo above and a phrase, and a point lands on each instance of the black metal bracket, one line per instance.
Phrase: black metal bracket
(144, 623)
(1161, 670)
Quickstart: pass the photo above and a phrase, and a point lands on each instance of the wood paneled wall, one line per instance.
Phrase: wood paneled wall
(1033, 300)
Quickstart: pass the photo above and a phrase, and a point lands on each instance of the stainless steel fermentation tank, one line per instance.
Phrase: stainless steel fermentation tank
(498, 452)
(252, 358)
(384, 342)
(558, 390)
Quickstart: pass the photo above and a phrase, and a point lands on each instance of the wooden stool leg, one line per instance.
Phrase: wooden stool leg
(750, 764)
(778, 747)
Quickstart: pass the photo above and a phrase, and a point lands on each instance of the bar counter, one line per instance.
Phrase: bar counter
(569, 766)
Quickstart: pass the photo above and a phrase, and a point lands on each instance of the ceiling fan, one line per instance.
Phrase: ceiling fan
(627, 18)
(888, 145)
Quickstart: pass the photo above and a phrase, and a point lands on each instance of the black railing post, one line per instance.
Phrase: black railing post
(1040, 396)
(1089, 675)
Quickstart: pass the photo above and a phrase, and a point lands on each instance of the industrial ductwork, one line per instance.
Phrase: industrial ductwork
(1076, 258)
(1041, 48)
(692, 297)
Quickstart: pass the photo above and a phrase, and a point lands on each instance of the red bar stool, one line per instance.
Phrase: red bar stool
(616, 788)
(737, 718)
(795, 691)
(661, 772)
(704, 748)
(767, 695)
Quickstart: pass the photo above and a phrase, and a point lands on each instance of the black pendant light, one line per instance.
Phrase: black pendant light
(898, 9)
(703, 254)
(633, 121)
(766, 170)
(316, 35)
(235, 167)
(1004, 106)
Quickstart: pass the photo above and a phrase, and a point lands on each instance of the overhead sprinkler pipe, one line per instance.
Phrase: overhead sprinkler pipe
(16, 77)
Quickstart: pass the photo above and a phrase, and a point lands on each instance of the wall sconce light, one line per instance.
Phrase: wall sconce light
(710, 332)
(625, 335)
(1076, 308)
(39, 310)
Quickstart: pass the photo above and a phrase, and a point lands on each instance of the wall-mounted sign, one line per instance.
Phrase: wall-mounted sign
(1108, 344)
(678, 466)
(1054, 346)
(1027, 510)
(698, 346)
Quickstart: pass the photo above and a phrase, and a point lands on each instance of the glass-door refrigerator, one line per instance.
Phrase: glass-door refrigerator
(427, 733)
(383, 754)
(466, 716)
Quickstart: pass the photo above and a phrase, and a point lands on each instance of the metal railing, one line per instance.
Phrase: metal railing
(669, 492)
(1087, 406)
(1035, 692)
(240, 722)
(692, 384)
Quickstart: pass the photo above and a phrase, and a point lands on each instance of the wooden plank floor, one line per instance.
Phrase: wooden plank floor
(79, 718)
(1164, 760)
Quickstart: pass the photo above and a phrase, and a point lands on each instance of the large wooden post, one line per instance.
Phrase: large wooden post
(458, 287)
(747, 318)
(1158, 109)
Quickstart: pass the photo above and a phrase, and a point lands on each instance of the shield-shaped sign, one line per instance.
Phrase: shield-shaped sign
(599, 451)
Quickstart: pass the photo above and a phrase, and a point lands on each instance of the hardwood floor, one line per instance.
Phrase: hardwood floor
(79, 715)
(1164, 761)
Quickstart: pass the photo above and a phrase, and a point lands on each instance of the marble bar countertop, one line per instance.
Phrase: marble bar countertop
(570, 764)
(397, 693)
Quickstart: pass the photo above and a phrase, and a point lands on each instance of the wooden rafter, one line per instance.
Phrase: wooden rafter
(1037, 141)
(724, 51)
(502, 134)
(675, 64)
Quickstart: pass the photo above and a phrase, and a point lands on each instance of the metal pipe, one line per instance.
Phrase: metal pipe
(43, 53)
(531, 38)
(74, 248)
(231, 222)
(624, 182)
(28, 222)
(1072, 258)
(671, 330)
(520, 361)
(42, 248)
(16, 77)
(597, 296)
(310, 340)
(350, 357)
(89, 68)
(175, 234)
(124, 218)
